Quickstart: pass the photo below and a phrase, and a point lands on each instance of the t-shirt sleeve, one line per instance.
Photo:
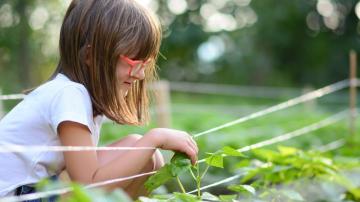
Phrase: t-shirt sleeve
(72, 103)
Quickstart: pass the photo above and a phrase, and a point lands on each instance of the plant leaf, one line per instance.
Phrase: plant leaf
(180, 163)
(78, 194)
(185, 197)
(216, 160)
(241, 188)
(287, 151)
(293, 195)
(266, 154)
(208, 196)
(227, 198)
(146, 199)
(232, 152)
(159, 178)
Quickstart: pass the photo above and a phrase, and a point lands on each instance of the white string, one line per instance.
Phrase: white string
(306, 97)
(21, 148)
(218, 183)
(335, 118)
(68, 189)
(253, 91)
(118, 180)
(12, 97)
(332, 145)
(234, 90)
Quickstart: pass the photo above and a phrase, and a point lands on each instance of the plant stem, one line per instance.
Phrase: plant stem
(180, 184)
(198, 180)
(192, 174)
(205, 171)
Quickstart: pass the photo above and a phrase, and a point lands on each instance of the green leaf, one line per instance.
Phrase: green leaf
(293, 195)
(118, 195)
(287, 151)
(185, 197)
(162, 196)
(216, 160)
(227, 198)
(159, 178)
(266, 154)
(180, 163)
(208, 196)
(78, 194)
(180, 159)
(232, 152)
(242, 188)
(146, 199)
(251, 174)
(242, 163)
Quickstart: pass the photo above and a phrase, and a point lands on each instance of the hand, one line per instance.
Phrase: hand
(175, 140)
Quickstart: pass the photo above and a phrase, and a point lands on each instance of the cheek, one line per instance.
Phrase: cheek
(121, 72)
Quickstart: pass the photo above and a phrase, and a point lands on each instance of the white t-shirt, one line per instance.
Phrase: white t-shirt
(34, 121)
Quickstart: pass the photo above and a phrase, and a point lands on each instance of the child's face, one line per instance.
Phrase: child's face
(125, 74)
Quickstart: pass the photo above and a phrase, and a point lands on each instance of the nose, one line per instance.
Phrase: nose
(139, 75)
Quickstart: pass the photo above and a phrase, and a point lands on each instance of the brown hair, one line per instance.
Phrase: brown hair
(101, 30)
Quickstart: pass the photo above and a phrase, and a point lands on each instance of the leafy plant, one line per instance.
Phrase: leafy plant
(180, 164)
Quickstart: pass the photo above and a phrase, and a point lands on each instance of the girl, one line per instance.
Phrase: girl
(108, 50)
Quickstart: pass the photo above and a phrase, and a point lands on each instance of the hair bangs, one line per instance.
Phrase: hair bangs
(145, 38)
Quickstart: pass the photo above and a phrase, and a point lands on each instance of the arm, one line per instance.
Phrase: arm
(84, 167)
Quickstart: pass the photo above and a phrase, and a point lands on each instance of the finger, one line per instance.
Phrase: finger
(193, 141)
(191, 154)
(193, 146)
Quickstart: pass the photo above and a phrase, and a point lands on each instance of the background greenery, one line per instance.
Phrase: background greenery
(252, 42)
(278, 43)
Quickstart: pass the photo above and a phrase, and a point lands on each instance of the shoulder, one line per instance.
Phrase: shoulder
(60, 86)
(61, 96)
(66, 101)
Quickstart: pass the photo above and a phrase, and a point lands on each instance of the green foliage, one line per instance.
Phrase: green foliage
(282, 195)
(242, 188)
(229, 151)
(227, 198)
(290, 164)
(293, 163)
(179, 164)
(278, 48)
(217, 159)
(79, 193)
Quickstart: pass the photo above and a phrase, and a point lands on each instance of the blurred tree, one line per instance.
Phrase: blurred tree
(273, 42)
(15, 43)
(28, 42)
(259, 42)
